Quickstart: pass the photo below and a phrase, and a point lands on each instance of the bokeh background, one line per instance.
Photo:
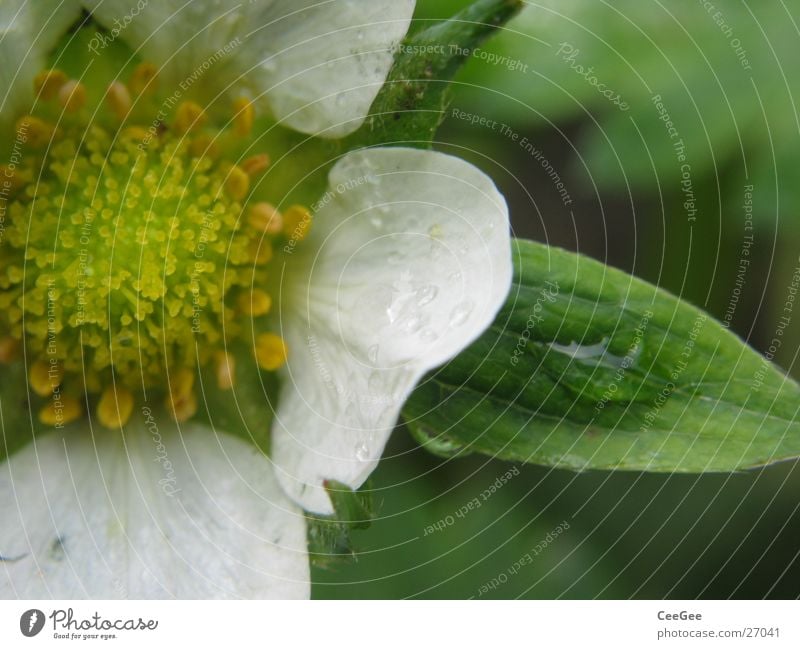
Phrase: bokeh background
(728, 74)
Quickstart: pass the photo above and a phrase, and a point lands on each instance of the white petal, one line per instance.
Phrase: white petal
(191, 515)
(323, 63)
(413, 261)
(317, 63)
(28, 30)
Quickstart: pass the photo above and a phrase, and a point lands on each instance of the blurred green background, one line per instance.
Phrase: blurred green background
(728, 75)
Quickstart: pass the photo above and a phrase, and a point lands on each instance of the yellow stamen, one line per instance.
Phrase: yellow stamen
(204, 145)
(296, 222)
(226, 370)
(237, 183)
(119, 99)
(188, 116)
(255, 303)
(115, 407)
(60, 411)
(72, 96)
(136, 134)
(47, 83)
(45, 377)
(33, 130)
(256, 164)
(182, 402)
(260, 252)
(244, 117)
(265, 217)
(9, 349)
(271, 351)
(143, 79)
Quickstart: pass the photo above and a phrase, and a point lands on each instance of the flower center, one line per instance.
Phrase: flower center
(133, 253)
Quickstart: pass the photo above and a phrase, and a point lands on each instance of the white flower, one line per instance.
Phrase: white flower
(407, 263)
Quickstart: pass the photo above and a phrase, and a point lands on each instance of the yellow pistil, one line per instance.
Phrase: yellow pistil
(243, 117)
(271, 351)
(296, 222)
(131, 258)
(72, 96)
(255, 303)
(143, 80)
(115, 407)
(47, 83)
(189, 116)
(225, 370)
(60, 410)
(45, 377)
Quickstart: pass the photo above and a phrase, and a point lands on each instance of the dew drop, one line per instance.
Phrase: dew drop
(426, 294)
(428, 335)
(410, 324)
(372, 353)
(459, 315)
(362, 452)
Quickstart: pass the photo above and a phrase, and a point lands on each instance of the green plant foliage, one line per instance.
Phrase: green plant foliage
(588, 367)
(724, 72)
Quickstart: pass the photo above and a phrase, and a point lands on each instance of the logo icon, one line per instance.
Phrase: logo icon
(31, 622)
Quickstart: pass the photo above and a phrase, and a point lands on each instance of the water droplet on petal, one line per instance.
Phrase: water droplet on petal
(428, 335)
(362, 452)
(372, 353)
(426, 294)
(376, 221)
(454, 277)
(410, 323)
(459, 315)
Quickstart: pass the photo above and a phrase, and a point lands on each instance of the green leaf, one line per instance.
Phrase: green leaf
(588, 367)
(329, 536)
(412, 102)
